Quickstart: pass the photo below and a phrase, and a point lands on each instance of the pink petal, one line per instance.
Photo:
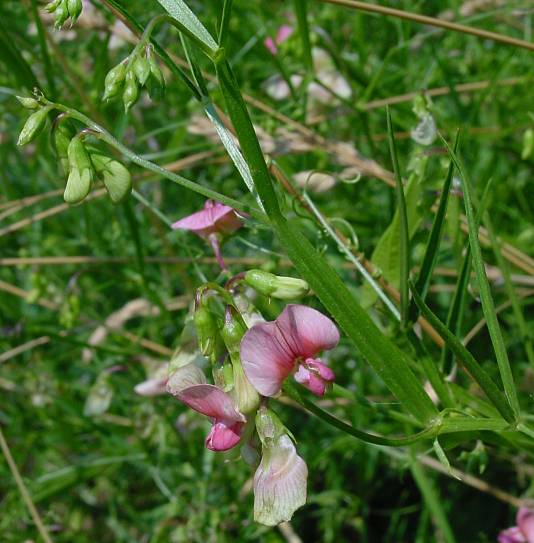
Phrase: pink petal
(183, 377)
(223, 437)
(283, 33)
(320, 368)
(307, 331)
(152, 387)
(215, 217)
(525, 521)
(265, 357)
(511, 535)
(270, 45)
(279, 483)
(212, 402)
(311, 381)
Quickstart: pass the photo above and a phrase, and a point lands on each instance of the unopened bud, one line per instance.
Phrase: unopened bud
(245, 395)
(283, 288)
(269, 426)
(116, 177)
(131, 92)
(33, 126)
(62, 133)
(114, 80)
(141, 69)
(52, 6)
(208, 334)
(62, 14)
(81, 172)
(232, 331)
(156, 82)
(75, 9)
(28, 102)
(223, 376)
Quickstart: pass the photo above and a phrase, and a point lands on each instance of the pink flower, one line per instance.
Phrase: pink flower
(187, 384)
(523, 532)
(271, 351)
(156, 383)
(210, 223)
(283, 33)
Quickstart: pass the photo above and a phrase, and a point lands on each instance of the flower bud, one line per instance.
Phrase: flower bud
(81, 172)
(28, 102)
(244, 394)
(141, 69)
(156, 82)
(62, 133)
(62, 14)
(116, 177)
(33, 126)
(283, 288)
(75, 9)
(232, 331)
(52, 6)
(114, 80)
(209, 337)
(223, 376)
(99, 398)
(131, 91)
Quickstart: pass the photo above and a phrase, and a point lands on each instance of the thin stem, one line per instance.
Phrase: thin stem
(440, 23)
(23, 490)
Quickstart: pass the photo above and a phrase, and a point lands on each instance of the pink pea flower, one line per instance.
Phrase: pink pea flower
(211, 223)
(156, 383)
(211, 401)
(281, 36)
(271, 351)
(523, 532)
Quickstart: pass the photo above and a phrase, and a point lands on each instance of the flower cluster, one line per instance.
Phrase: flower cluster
(63, 9)
(249, 359)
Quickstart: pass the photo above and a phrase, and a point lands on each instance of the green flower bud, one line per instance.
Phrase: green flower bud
(99, 397)
(223, 376)
(141, 69)
(75, 9)
(114, 80)
(52, 6)
(131, 91)
(156, 82)
(245, 395)
(62, 14)
(283, 288)
(62, 133)
(81, 172)
(269, 427)
(33, 126)
(232, 331)
(27, 102)
(209, 338)
(116, 177)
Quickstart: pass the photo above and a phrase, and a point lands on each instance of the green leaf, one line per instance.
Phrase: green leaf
(488, 307)
(301, 10)
(190, 23)
(404, 235)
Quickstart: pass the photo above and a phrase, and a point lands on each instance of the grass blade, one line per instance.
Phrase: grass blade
(301, 10)
(488, 307)
(403, 223)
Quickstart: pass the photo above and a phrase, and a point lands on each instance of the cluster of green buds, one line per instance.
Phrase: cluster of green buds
(81, 163)
(140, 69)
(63, 9)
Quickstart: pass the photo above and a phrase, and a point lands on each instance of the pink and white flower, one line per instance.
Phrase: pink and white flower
(211, 223)
(523, 532)
(271, 351)
(189, 386)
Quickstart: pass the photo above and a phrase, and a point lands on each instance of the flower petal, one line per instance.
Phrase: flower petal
(152, 387)
(279, 483)
(307, 331)
(266, 359)
(525, 521)
(223, 437)
(212, 402)
(511, 535)
(185, 377)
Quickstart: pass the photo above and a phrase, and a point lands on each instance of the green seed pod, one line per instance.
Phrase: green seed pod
(141, 69)
(114, 80)
(27, 102)
(34, 125)
(116, 177)
(78, 186)
(131, 92)
(75, 9)
(62, 14)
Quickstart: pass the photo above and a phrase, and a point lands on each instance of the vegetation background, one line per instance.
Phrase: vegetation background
(93, 296)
